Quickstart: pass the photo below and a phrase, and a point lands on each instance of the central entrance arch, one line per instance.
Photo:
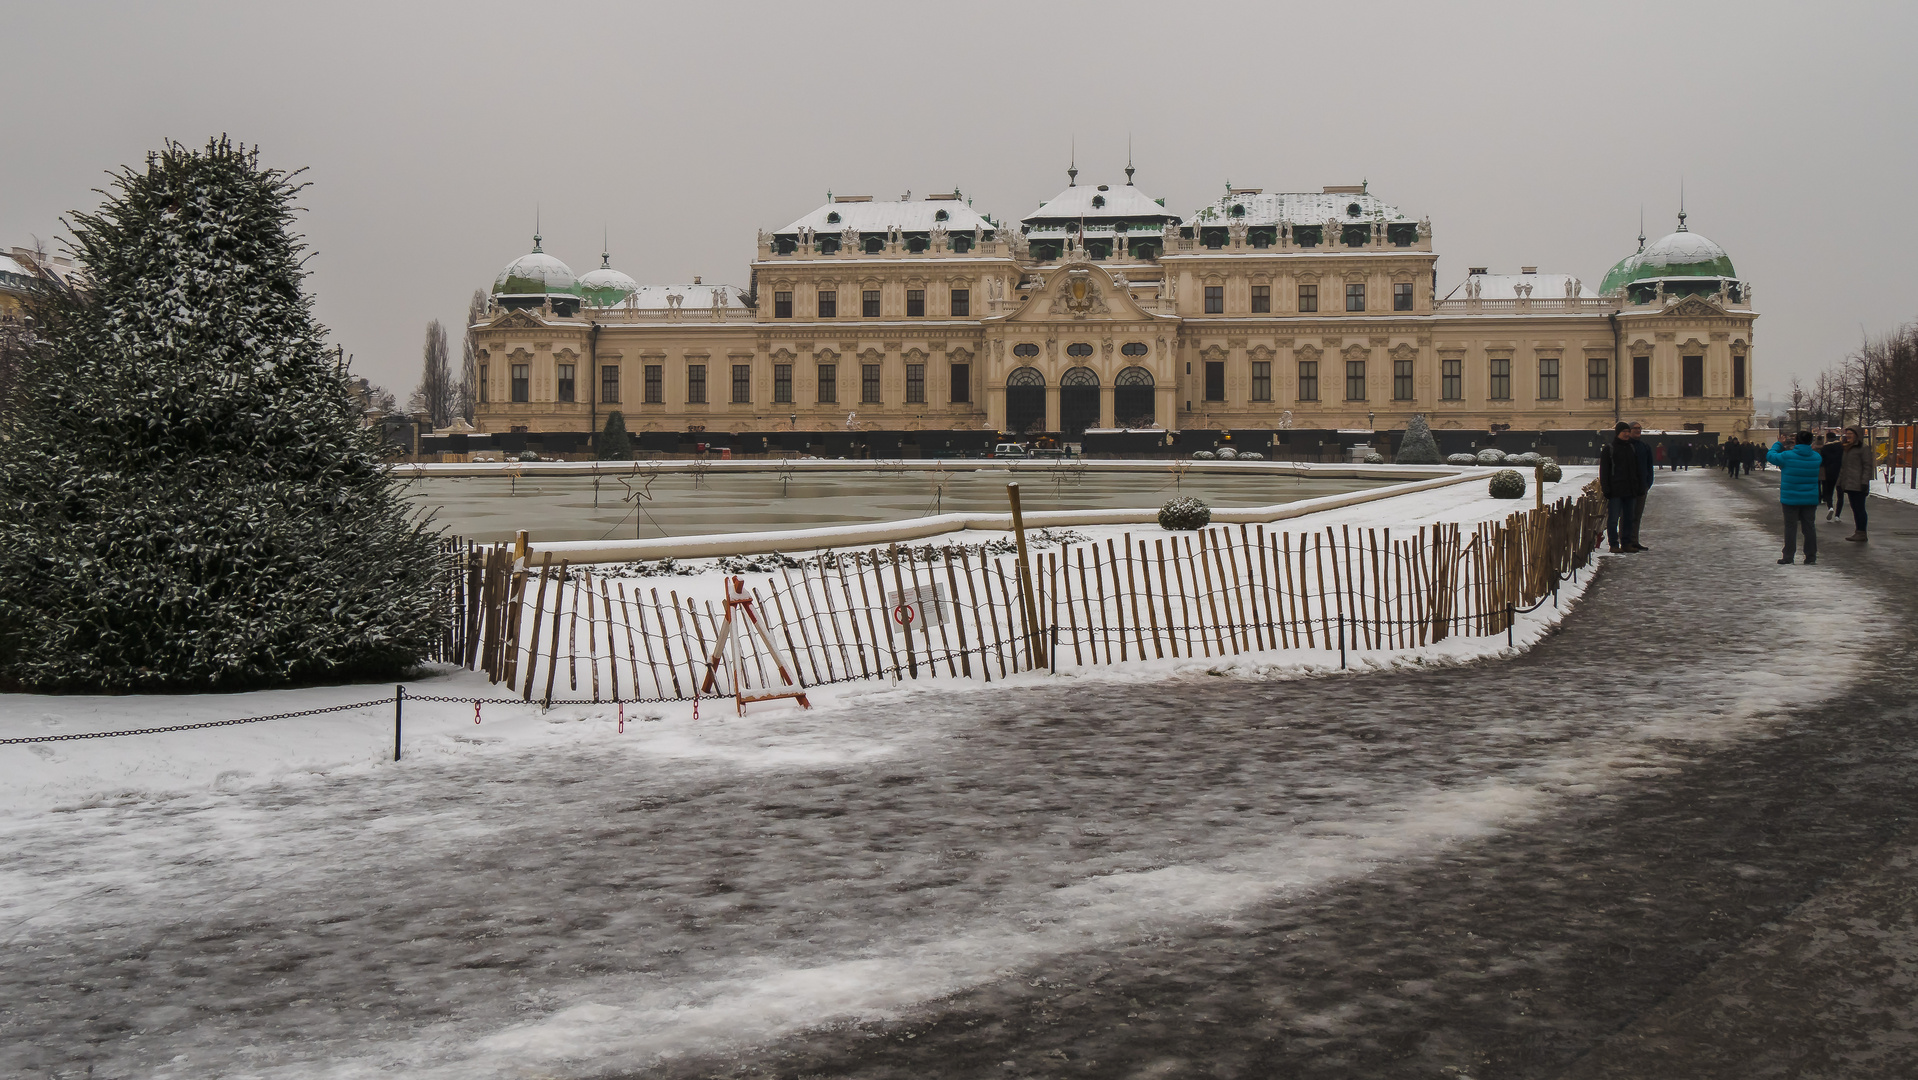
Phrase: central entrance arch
(1132, 405)
(1025, 401)
(1078, 402)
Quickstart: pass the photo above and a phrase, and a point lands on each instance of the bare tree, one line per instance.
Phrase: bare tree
(435, 397)
(469, 357)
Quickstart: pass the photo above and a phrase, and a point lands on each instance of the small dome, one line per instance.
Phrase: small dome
(1683, 254)
(536, 274)
(1620, 274)
(606, 286)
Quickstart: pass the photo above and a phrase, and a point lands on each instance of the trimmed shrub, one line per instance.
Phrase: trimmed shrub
(1551, 472)
(1226, 453)
(528, 455)
(1203, 455)
(1491, 455)
(1185, 514)
(1461, 459)
(1527, 459)
(1375, 459)
(1251, 455)
(1507, 484)
(1418, 447)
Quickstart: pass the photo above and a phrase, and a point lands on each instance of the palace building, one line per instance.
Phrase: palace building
(1102, 309)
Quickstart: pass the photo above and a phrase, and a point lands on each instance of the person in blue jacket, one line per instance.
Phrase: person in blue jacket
(1798, 494)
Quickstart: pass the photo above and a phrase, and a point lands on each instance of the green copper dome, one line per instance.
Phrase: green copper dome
(1620, 274)
(536, 274)
(1682, 254)
(606, 287)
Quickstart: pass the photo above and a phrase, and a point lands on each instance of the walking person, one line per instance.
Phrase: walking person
(1831, 454)
(1733, 451)
(1661, 458)
(1798, 494)
(1648, 472)
(1854, 477)
(1748, 454)
(1621, 484)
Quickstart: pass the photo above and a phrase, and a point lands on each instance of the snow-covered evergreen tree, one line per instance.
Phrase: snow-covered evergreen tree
(189, 499)
(1418, 447)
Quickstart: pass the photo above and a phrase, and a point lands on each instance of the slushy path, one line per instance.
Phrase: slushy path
(1583, 862)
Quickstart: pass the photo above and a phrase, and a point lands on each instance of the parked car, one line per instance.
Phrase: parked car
(1008, 450)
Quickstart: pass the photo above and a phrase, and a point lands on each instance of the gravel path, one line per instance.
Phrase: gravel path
(1499, 870)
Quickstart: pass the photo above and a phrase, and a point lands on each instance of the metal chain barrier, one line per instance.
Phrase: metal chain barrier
(195, 727)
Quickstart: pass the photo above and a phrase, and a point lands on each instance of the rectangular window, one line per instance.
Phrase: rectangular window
(961, 303)
(1501, 386)
(1355, 380)
(782, 384)
(1641, 376)
(482, 385)
(1309, 299)
(782, 305)
(1215, 380)
(1261, 380)
(1402, 296)
(915, 303)
(829, 384)
(869, 304)
(1692, 372)
(961, 384)
(1402, 379)
(1215, 299)
(520, 380)
(1548, 378)
(1261, 299)
(742, 384)
(1452, 380)
(696, 384)
(1598, 378)
(655, 384)
(915, 384)
(563, 384)
(609, 383)
(1308, 380)
(869, 384)
(828, 304)
(1355, 297)
(1738, 376)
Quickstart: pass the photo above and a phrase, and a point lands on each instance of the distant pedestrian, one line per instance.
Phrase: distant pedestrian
(1831, 454)
(1648, 471)
(1798, 494)
(1748, 454)
(1854, 477)
(1734, 453)
(1661, 458)
(1620, 482)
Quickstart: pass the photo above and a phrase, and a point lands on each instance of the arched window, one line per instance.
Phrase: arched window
(1079, 348)
(1079, 376)
(1134, 348)
(1026, 348)
(1078, 401)
(874, 243)
(1132, 401)
(1133, 376)
(1025, 376)
(1025, 401)
(1098, 201)
(941, 216)
(832, 218)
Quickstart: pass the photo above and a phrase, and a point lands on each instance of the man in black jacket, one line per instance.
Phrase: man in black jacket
(1648, 472)
(1832, 451)
(1622, 484)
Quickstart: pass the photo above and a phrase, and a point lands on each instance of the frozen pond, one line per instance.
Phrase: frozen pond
(680, 504)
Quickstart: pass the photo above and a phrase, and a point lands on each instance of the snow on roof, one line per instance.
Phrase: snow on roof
(1505, 286)
(919, 215)
(693, 297)
(1116, 202)
(1308, 208)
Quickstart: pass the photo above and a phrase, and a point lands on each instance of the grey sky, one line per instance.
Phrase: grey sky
(1529, 134)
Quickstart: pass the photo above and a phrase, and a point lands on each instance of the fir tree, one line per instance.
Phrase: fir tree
(1418, 447)
(614, 443)
(189, 498)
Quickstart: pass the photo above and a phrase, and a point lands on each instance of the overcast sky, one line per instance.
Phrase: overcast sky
(1529, 134)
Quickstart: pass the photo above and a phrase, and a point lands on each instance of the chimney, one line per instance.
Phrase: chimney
(1528, 269)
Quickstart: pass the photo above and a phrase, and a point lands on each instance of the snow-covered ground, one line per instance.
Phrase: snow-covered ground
(1896, 488)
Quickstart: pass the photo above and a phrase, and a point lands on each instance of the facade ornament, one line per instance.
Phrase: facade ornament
(1080, 295)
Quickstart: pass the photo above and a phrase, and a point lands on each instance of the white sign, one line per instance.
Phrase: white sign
(926, 603)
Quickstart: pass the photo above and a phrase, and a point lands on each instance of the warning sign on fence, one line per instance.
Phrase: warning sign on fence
(919, 607)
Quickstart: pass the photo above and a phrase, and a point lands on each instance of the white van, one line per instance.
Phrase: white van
(1008, 450)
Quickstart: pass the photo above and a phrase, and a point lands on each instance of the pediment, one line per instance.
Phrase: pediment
(1081, 292)
(515, 320)
(1695, 307)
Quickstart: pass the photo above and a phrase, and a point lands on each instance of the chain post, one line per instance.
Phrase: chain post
(399, 697)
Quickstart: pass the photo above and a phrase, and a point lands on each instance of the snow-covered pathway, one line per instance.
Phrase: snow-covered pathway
(596, 907)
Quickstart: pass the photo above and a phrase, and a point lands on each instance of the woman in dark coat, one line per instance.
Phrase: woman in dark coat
(1854, 477)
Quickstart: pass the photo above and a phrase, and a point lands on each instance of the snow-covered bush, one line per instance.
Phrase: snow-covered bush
(1203, 455)
(1185, 514)
(190, 499)
(1251, 455)
(1226, 453)
(1418, 447)
(1461, 459)
(1507, 484)
(528, 455)
(1491, 455)
(1375, 459)
(1527, 459)
(1550, 471)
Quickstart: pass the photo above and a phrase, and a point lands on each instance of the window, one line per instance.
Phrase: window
(1214, 299)
(1598, 378)
(1308, 380)
(1133, 348)
(828, 304)
(1641, 376)
(782, 305)
(782, 384)
(563, 383)
(1692, 373)
(609, 383)
(1355, 297)
(742, 384)
(655, 384)
(1355, 380)
(1261, 380)
(869, 384)
(1501, 389)
(1402, 296)
(696, 384)
(869, 304)
(829, 384)
(1402, 379)
(1452, 379)
(1215, 380)
(519, 382)
(961, 384)
(1079, 348)
(915, 303)
(961, 303)
(915, 384)
(1548, 378)
(482, 385)
(1025, 349)
(1738, 376)
(1261, 299)
(1309, 299)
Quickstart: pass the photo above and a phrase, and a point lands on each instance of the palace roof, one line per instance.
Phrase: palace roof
(862, 214)
(1099, 204)
(1305, 208)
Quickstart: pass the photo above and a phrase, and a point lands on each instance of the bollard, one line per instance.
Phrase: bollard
(399, 695)
(1341, 641)
(1511, 616)
(1052, 658)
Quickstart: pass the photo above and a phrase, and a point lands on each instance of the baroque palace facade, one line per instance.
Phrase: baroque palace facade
(1100, 309)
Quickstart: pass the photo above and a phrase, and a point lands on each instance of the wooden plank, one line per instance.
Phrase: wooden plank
(1005, 595)
(1145, 590)
(1072, 622)
(885, 617)
(1248, 630)
(592, 635)
(632, 649)
(665, 646)
(694, 678)
(1103, 631)
(852, 617)
(958, 616)
(612, 642)
(1211, 597)
(972, 598)
(785, 626)
(1131, 596)
(552, 651)
(1165, 588)
(799, 616)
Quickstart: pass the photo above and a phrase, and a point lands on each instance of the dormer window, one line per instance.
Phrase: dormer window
(941, 216)
(1098, 201)
(1238, 209)
(1353, 210)
(832, 218)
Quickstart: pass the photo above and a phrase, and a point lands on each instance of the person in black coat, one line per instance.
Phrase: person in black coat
(1648, 471)
(1621, 482)
(1831, 451)
(1730, 457)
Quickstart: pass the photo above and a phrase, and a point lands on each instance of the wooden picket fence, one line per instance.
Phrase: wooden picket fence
(954, 612)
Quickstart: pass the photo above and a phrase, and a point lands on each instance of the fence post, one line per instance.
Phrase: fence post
(1341, 641)
(399, 696)
(1052, 657)
(1510, 617)
(1029, 607)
